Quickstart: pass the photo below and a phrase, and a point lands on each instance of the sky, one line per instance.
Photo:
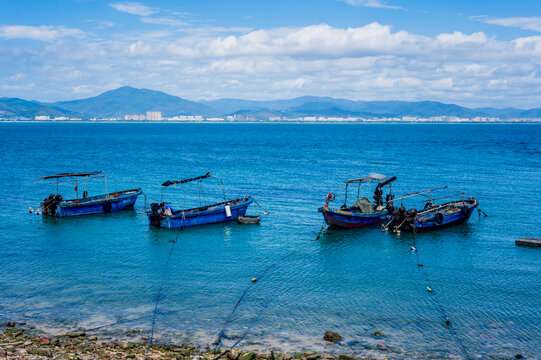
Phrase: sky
(472, 53)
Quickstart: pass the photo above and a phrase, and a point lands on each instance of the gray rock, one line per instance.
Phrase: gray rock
(233, 354)
(378, 334)
(41, 352)
(332, 336)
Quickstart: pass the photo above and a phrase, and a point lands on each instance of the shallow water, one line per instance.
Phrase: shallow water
(92, 271)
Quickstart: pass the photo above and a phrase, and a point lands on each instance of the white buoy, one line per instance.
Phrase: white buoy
(227, 211)
(413, 249)
(30, 210)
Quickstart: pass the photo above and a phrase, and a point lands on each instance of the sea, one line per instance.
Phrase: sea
(112, 274)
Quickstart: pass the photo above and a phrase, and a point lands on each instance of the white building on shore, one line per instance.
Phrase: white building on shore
(134, 117)
(154, 115)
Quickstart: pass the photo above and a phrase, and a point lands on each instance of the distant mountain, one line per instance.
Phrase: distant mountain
(29, 109)
(127, 100)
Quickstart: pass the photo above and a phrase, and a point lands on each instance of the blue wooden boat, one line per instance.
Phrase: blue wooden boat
(433, 216)
(168, 217)
(55, 205)
(363, 212)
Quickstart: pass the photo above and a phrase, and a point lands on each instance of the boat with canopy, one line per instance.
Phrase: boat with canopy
(435, 214)
(168, 217)
(55, 205)
(363, 212)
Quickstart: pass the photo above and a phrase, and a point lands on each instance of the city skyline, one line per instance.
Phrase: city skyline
(481, 54)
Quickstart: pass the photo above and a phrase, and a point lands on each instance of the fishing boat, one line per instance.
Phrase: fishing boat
(55, 205)
(168, 217)
(455, 210)
(363, 212)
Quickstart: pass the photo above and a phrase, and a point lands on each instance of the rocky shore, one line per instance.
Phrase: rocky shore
(18, 342)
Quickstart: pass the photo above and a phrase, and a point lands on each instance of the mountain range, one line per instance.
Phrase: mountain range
(128, 100)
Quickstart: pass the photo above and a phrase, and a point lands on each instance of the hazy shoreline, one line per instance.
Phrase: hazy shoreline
(537, 121)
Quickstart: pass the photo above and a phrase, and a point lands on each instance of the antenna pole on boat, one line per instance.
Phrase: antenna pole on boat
(77, 190)
(56, 186)
(346, 200)
(105, 180)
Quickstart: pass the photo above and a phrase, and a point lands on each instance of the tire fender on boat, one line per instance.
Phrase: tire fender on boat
(438, 218)
(465, 211)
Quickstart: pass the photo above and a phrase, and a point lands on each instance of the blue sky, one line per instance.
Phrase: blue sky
(473, 53)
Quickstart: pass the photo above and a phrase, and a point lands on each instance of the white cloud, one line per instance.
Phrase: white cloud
(370, 62)
(42, 33)
(133, 8)
(525, 23)
(371, 3)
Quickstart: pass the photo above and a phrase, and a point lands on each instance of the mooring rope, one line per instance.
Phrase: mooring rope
(245, 292)
(159, 295)
(436, 300)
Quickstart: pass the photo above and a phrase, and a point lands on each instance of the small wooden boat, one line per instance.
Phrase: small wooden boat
(433, 216)
(167, 217)
(55, 205)
(249, 220)
(363, 212)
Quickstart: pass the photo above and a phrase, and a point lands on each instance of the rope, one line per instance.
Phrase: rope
(436, 300)
(159, 295)
(244, 293)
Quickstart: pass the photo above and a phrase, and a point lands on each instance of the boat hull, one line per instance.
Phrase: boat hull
(350, 220)
(97, 204)
(187, 218)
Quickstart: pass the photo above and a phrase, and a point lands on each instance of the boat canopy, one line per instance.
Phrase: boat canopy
(381, 181)
(63, 175)
(174, 182)
(370, 179)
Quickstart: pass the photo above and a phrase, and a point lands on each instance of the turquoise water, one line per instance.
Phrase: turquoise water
(94, 271)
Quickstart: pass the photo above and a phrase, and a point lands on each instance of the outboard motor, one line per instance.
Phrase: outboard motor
(155, 216)
(51, 203)
(397, 217)
(410, 218)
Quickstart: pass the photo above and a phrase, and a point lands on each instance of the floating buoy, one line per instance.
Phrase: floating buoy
(419, 264)
(228, 211)
(254, 279)
(37, 213)
(429, 289)
(413, 248)
(447, 321)
(30, 210)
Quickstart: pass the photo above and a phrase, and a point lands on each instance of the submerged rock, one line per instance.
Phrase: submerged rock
(76, 334)
(378, 334)
(332, 336)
